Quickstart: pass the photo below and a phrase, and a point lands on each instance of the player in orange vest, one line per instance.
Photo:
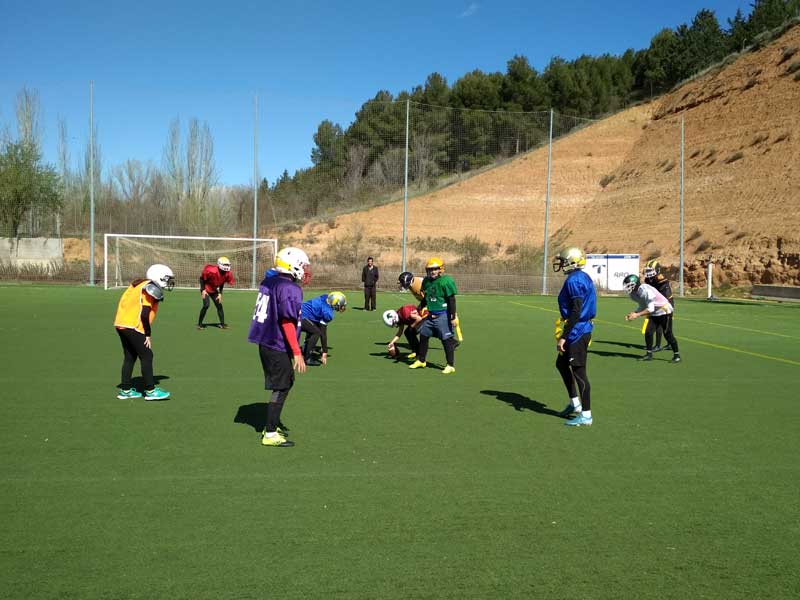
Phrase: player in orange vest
(136, 312)
(212, 280)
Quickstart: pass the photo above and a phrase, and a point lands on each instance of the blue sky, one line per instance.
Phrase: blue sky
(307, 61)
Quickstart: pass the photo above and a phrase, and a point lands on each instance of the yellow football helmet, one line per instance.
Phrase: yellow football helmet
(338, 301)
(569, 260)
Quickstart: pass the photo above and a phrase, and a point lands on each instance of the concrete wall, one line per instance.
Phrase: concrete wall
(40, 252)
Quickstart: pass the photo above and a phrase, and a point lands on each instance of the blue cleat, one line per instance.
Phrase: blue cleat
(126, 394)
(579, 420)
(156, 394)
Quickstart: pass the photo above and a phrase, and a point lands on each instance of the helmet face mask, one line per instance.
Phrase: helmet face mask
(338, 301)
(569, 260)
(390, 318)
(224, 263)
(631, 283)
(294, 262)
(162, 276)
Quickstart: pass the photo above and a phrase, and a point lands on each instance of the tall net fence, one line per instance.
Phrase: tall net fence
(406, 181)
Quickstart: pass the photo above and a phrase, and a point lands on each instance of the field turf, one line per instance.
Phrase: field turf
(403, 484)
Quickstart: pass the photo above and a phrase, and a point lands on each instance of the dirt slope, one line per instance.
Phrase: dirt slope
(742, 183)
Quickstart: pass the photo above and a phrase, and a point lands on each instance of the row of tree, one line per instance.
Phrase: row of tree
(480, 119)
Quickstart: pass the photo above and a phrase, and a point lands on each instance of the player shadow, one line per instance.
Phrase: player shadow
(138, 382)
(519, 403)
(213, 325)
(254, 415)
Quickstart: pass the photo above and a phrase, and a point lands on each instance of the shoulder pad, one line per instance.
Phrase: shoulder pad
(155, 291)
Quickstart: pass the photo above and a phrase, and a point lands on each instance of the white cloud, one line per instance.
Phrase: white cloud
(469, 11)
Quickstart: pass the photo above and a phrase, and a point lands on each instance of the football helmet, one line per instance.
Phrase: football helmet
(569, 260)
(405, 279)
(162, 276)
(294, 262)
(391, 318)
(338, 301)
(631, 283)
(651, 269)
(434, 264)
(224, 263)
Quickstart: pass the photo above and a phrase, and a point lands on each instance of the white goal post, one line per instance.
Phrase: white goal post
(127, 256)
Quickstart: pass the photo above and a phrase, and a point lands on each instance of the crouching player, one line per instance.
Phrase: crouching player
(577, 303)
(275, 328)
(317, 315)
(136, 312)
(407, 319)
(658, 310)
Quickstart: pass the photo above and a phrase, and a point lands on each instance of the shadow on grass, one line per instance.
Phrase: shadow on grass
(620, 354)
(254, 415)
(519, 402)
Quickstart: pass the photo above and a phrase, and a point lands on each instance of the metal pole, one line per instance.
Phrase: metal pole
(255, 185)
(680, 266)
(709, 277)
(547, 204)
(91, 183)
(405, 192)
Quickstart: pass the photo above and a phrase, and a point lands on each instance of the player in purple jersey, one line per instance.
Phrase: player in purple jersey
(275, 327)
(577, 304)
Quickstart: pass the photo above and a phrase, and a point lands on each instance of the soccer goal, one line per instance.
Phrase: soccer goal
(127, 256)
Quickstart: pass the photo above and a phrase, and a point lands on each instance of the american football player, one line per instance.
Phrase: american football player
(317, 315)
(654, 277)
(275, 328)
(577, 304)
(136, 312)
(657, 309)
(407, 319)
(212, 281)
(440, 299)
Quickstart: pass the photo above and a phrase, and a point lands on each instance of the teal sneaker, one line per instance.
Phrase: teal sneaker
(579, 420)
(156, 394)
(129, 394)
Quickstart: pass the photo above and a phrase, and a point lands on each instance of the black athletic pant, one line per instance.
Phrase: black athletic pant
(412, 339)
(133, 347)
(313, 334)
(664, 322)
(206, 303)
(571, 365)
(369, 297)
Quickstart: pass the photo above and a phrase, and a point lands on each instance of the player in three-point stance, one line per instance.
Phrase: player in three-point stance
(275, 327)
(577, 303)
(657, 309)
(136, 312)
(212, 281)
(317, 315)
(440, 300)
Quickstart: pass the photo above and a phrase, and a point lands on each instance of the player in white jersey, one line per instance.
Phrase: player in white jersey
(658, 310)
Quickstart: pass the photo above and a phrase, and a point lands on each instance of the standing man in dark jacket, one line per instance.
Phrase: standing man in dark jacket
(369, 276)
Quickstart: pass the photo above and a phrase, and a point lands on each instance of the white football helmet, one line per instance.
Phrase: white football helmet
(224, 263)
(162, 276)
(569, 260)
(294, 262)
(391, 318)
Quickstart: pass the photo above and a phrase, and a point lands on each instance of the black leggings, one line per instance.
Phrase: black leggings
(133, 347)
(573, 375)
(274, 409)
(206, 303)
(661, 322)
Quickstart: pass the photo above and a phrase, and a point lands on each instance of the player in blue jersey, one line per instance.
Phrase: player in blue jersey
(275, 327)
(577, 303)
(317, 315)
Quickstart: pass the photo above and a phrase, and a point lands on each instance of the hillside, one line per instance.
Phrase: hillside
(742, 183)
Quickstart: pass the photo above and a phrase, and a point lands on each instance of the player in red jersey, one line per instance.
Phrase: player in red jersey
(407, 319)
(212, 280)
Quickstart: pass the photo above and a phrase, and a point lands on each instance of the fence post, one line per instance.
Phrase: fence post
(91, 183)
(255, 186)
(680, 267)
(547, 204)
(405, 190)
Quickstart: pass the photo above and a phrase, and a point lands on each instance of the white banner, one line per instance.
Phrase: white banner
(608, 270)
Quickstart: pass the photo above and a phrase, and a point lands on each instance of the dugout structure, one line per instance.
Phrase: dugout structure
(127, 256)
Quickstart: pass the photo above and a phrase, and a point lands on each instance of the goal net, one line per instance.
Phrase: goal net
(126, 257)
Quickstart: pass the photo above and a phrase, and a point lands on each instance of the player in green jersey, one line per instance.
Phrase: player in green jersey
(440, 298)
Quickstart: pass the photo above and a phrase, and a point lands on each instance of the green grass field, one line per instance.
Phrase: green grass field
(403, 484)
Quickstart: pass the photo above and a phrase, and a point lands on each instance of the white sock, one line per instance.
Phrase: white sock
(576, 403)
(272, 434)
(587, 414)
